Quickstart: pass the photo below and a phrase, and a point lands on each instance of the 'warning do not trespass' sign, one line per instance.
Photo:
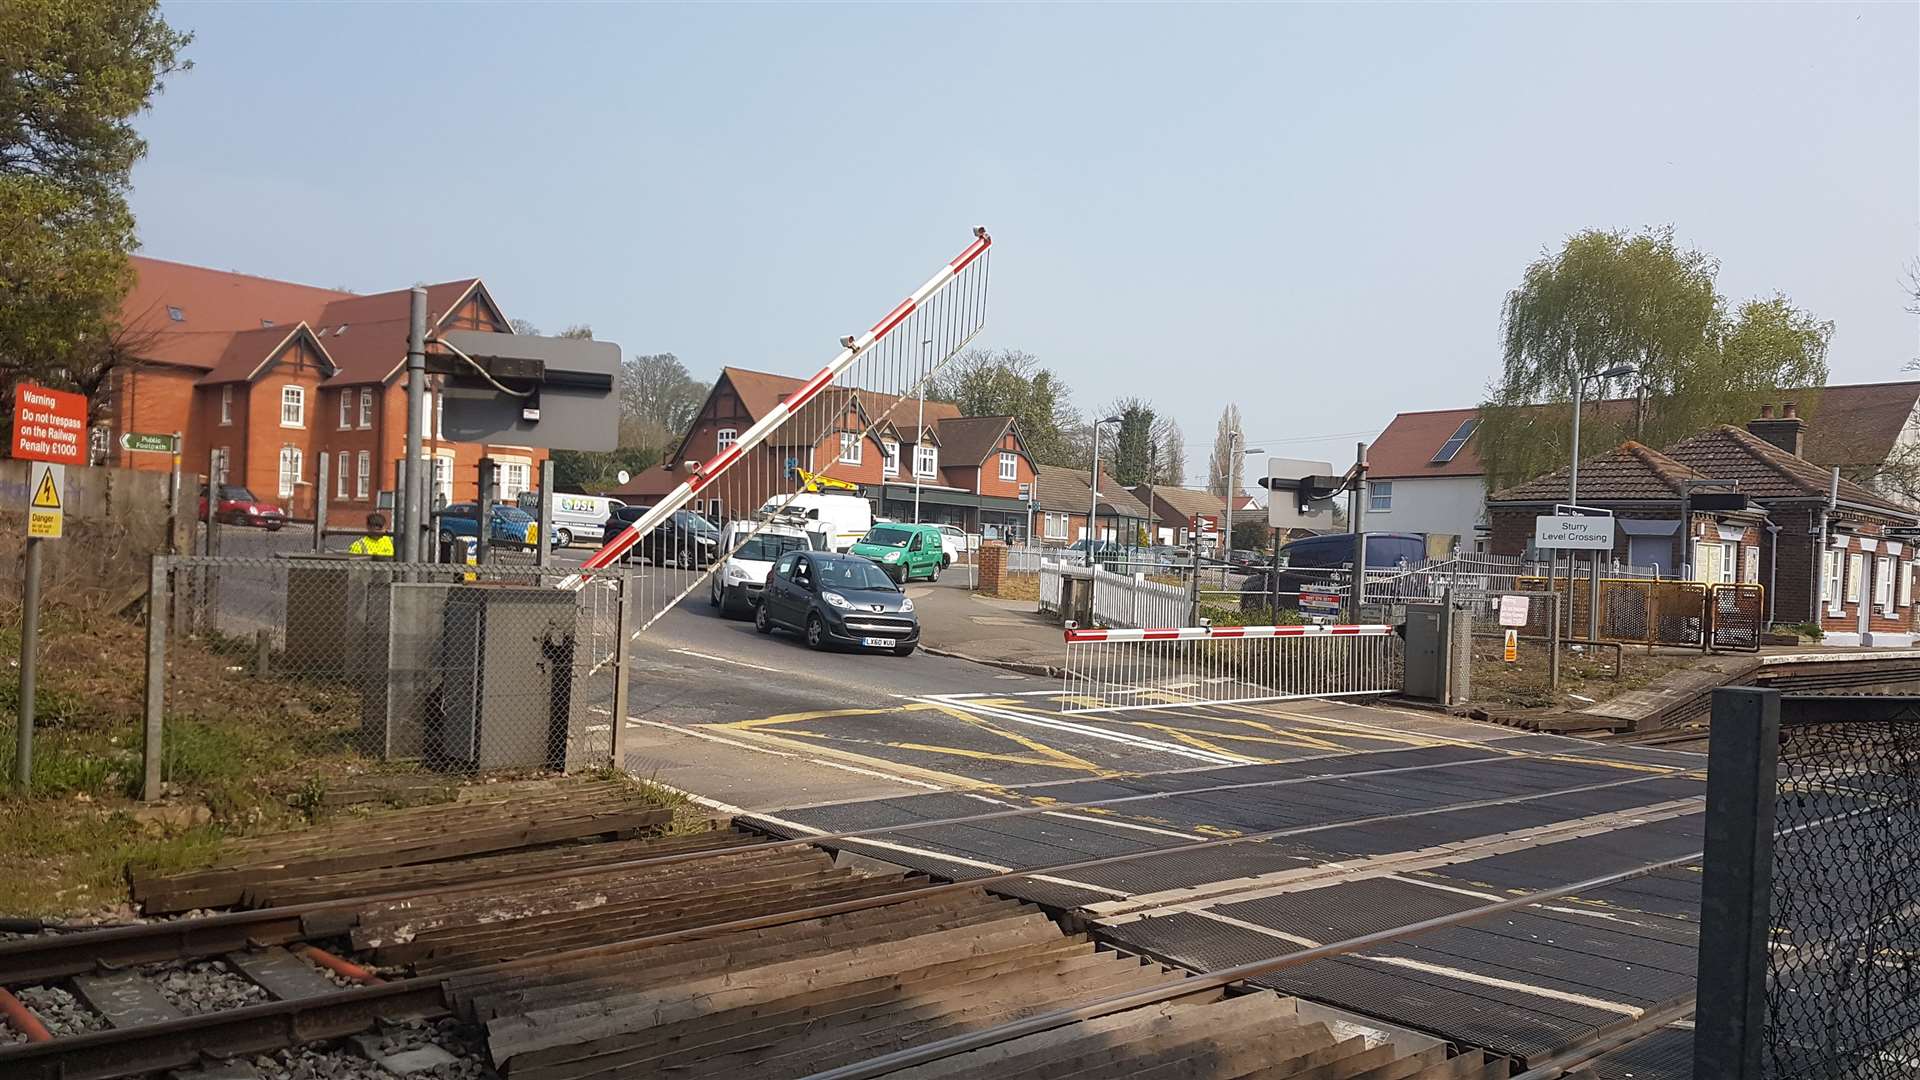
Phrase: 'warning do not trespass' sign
(49, 425)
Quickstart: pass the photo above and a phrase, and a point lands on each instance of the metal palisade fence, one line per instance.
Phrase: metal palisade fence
(1129, 669)
(452, 667)
(1810, 896)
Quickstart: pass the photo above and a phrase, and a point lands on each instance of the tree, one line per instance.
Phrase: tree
(74, 77)
(1170, 457)
(1226, 464)
(1252, 533)
(1012, 383)
(1134, 458)
(1612, 298)
(522, 326)
(658, 399)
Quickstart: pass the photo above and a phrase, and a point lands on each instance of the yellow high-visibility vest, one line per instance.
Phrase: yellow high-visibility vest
(379, 547)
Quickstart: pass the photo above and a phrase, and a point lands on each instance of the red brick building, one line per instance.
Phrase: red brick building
(1841, 557)
(973, 471)
(1063, 499)
(264, 377)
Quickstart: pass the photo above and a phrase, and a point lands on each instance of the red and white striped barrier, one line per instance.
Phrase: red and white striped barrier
(1120, 670)
(1216, 633)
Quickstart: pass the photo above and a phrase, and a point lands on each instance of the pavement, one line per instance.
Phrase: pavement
(988, 630)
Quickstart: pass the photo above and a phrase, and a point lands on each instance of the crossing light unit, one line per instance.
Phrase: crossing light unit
(1300, 490)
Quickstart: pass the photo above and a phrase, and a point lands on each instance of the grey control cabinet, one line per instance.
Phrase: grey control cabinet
(508, 695)
(1439, 653)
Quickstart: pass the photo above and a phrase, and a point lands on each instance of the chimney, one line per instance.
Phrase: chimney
(1786, 431)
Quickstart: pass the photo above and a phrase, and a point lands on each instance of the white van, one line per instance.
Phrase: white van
(738, 582)
(575, 517)
(834, 521)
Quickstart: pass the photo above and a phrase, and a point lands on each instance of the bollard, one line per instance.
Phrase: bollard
(262, 650)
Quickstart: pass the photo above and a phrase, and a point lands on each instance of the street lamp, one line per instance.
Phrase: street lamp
(1093, 483)
(1233, 481)
(1618, 371)
(920, 427)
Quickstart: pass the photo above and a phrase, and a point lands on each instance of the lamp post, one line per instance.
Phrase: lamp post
(919, 429)
(1618, 371)
(1093, 484)
(1233, 481)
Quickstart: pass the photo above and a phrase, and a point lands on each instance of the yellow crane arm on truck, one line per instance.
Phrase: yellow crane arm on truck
(817, 483)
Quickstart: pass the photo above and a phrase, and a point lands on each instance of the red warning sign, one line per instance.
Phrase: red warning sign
(49, 425)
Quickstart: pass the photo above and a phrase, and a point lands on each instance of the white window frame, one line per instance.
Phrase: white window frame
(426, 415)
(1379, 496)
(1729, 563)
(1055, 525)
(1856, 569)
(293, 402)
(890, 452)
(443, 478)
(226, 405)
(1906, 583)
(850, 448)
(292, 462)
(340, 481)
(346, 409)
(1836, 585)
(363, 474)
(512, 479)
(1883, 590)
(724, 439)
(440, 413)
(1009, 465)
(926, 461)
(366, 408)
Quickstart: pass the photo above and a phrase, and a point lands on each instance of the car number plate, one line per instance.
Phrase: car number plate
(877, 642)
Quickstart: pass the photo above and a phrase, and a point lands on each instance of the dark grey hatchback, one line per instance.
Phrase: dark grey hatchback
(838, 600)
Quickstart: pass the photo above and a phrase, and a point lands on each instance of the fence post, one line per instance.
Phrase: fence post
(1133, 608)
(1553, 642)
(320, 489)
(1736, 888)
(622, 671)
(1193, 587)
(150, 741)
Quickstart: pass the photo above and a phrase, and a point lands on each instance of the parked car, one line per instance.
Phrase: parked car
(838, 600)
(953, 539)
(838, 520)
(904, 551)
(238, 506)
(686, 539)
(1314, 571)
(750, 549)
(574, 517)
(511, 526)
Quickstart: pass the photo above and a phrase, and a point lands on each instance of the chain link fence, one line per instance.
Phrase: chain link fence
(441, 666)
(1810, 913)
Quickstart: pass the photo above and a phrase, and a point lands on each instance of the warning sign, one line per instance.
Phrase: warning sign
(1512, 651)
(49, 425)
(45, 516)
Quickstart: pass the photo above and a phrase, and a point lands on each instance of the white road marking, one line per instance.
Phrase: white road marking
(727, 660)
(889, 777)
(1093, 819)
(1605, 916)
(708, 736)
(1126, 738)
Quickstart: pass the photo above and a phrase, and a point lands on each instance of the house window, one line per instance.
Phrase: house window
(293, 406)
(513, 479)
(290, 465)
(1009, 466)
(1729, 563)
(340, 475)
(439, 414)
(849, 448)
(716, 513)
(724, 439)
(346, 409)
(1454, 442)
(891, 449)
(1883, 584)
(443, 480)
(925, 460)
(366, 408)
(1856, 569)
(1056, 526)
(1834, 582)
(363, 475)
(1380, 497)
(226, 405)
(1905, 572)
(427, 406)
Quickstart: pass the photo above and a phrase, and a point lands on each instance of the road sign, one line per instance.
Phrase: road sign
(143, 443)
(45, 515)
(1513, 610)
(49, 425)
(1205, 524)
(1572, 532)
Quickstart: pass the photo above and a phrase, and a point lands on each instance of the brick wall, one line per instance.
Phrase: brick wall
(993, 566)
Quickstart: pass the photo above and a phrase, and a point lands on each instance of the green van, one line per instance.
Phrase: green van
(903, 551)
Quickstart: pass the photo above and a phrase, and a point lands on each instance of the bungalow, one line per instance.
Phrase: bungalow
(1063, 498)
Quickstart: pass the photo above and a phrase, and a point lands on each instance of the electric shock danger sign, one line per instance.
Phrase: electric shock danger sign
(49, 425)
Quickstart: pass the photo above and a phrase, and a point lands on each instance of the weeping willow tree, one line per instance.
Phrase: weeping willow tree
(1611, 298)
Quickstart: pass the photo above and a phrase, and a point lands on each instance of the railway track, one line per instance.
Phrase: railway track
(636, 958)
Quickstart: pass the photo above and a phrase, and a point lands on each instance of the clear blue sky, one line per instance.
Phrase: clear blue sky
(1311, 210)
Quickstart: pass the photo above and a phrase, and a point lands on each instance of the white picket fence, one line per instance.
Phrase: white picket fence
(1124, 600)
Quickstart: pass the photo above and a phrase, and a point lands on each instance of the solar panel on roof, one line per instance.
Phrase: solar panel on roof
(1455, 441)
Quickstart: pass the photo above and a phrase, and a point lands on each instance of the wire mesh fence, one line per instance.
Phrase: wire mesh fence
(1811, 891)
(445, 666)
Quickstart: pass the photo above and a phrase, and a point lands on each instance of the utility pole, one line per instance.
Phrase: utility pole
(1232, 481)
(407, 509)
(919, 429)
(1358, 593)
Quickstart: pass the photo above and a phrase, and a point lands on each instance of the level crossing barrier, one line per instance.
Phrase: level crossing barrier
(1119, 670)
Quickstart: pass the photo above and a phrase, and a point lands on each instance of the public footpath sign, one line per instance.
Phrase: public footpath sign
(49, 425)
(46, 517)
(142, 443)
(1573, 532)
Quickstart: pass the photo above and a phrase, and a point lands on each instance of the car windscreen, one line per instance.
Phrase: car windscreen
(1316, 556)
(883, 536)
(852, 574)
(767, 547)
(687, 519)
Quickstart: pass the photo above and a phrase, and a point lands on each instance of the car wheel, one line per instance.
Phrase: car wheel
(761, 620)
(934, 574)
(946, 561)
(903, 650)
(713, 595)
(275, 526)
(562, 538)
(446, 538)
(816, 633)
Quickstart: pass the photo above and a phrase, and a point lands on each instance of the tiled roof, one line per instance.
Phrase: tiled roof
(1630, 472)
(247, 349)
(1063, 488)
(963, 440)
(1765, 471)
(1855, 424)
(223, 316)
(1185, 502)
(967, 440)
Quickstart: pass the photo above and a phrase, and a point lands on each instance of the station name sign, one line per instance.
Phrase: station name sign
(1572, 532)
